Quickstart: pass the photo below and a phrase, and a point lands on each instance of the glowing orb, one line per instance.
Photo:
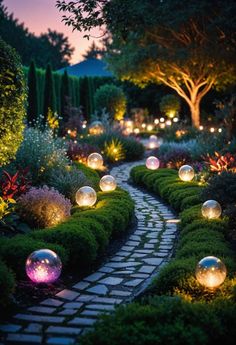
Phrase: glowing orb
(186, 173)
(211, 209)
(107, 183)
(86, 196)
(152, 163)
(210, 272)
(95, 161)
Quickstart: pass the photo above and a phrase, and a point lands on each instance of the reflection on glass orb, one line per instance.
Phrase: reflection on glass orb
(211, 209)
(43, 266)
(186, 173)
(211, 272)
(152, 163)
(107, 183)
(86, 196)
(95, 161)
(96, 128)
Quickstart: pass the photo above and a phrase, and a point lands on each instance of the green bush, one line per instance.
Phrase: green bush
(164, 321)
(7, 284)
(14, 251)
(111, 98)
(91, 175)
(12, 102)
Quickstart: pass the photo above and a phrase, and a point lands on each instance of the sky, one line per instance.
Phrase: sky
(39, 15)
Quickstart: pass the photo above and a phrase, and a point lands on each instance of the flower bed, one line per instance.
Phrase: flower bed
(176, 308)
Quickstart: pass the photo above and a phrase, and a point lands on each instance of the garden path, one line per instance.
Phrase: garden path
(73, 311)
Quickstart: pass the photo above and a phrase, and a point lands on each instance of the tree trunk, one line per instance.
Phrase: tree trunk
(195, 113)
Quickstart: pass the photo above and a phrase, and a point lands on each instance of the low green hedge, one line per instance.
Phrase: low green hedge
(7, 283)
(163, 320)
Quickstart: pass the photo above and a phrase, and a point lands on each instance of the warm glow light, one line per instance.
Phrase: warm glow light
(86, 196)
(168, 123)
(152, 163)
(220, 130)
(136, 131)
(43, 266)
(149, 128)
(211, 272)
(95, 161)
(162, 125)
(156, 121)
(144, 125)
(171, 114)
(175, 119)
(96, 128)
(107, 183)
(201, 128)
(211, 209)
(162, 119)
(186, 173)
(212, 129)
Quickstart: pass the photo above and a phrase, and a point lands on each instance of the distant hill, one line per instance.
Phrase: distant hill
(90, 68)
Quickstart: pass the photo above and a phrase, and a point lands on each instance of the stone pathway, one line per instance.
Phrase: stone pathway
(73, 311)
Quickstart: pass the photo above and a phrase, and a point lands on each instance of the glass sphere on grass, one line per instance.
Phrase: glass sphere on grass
(43, 266)
(210, 272)
(95, 160)
(186, 173)
(86, 196)
(107, 183)
(152, 163)
(211, 209)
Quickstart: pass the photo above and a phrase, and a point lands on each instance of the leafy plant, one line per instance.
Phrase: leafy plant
(175, 158)
(11, 187)
(43, 207)
(114, 150)
(220, 163)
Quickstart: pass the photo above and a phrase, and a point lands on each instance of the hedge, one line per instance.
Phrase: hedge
(7, 283)
(165, 315)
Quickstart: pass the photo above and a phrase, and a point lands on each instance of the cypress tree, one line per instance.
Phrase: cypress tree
(65, 94)
(32, 110)
(49, 93)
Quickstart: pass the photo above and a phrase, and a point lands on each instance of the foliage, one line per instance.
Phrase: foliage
(67, 181)
(7, 284)
(32, 109)
(114, 151)
(175, 158)
(170, 105)
(226, 112)
(11, 187)
(49, 94)
(79, 152)
(221, 163)
(222, 187)
(51, 46)
(43, 207)
(165, 320)
(12, 103)
(112, 98)
(91, 174)
(41, 153)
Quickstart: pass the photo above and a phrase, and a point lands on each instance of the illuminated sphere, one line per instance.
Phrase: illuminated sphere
(96, 128)
(211, 209)
(107, 183)
(95, 161)
(153, 137)
(86, 196)
(186, 173)
(152, 163)
(43, 266)
(210, 272)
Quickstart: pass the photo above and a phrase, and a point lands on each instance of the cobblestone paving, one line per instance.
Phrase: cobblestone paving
(73, 311)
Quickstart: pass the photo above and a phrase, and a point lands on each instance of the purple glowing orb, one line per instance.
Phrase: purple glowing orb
(43, 266)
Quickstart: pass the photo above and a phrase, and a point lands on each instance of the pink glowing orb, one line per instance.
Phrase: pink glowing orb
(152, 163)
(43, 266)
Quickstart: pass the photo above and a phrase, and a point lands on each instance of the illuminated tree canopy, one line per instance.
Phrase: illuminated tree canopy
(188, 45)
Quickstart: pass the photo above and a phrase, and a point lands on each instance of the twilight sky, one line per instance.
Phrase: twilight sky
(39, 15)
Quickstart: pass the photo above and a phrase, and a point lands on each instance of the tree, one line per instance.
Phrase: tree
(12, 102)
(111, 98)
(170, 105)
(65, 94)
(49, 94)
(32, 110)
(93, 52)
(188, 46)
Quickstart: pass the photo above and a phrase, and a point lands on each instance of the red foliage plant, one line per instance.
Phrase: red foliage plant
(221, 163)
(12, 186)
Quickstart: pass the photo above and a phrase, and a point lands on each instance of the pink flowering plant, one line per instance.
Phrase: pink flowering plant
(43, 207)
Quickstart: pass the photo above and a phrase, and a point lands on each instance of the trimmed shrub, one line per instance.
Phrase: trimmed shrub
(7, 283)
(43, 207)
(12, 102)
(91, 175)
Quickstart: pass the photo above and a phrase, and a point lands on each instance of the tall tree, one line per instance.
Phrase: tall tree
(32, 110)
(49, 93)
(65, 94)
(188, 45)
(93, 52)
